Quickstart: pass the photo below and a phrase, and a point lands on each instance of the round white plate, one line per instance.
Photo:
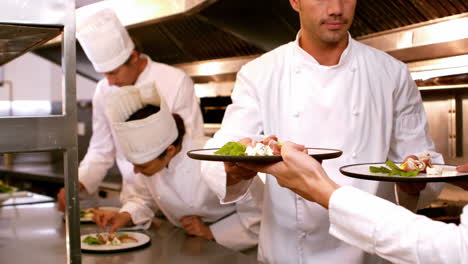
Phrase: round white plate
(143, 240)
(361, 171)
(208, 154)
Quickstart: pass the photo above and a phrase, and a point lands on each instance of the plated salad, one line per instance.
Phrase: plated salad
(410, 168)
(269, 146)
(109, 239)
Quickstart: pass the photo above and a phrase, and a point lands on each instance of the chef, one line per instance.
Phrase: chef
(167, 179)
(323, 90)
(112, 52)
(368, 222)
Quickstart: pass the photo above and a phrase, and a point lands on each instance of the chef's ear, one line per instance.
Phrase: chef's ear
(295, 4)
(171, 151)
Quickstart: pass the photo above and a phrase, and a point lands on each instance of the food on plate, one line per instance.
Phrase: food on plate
(232, 149)
(269, 146)
(5, 188)
(109, 239)
(411, 167)
(434, 170)
(87, 213)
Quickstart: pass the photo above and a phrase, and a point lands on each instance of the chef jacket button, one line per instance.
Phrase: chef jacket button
(296, 114)
(353, 69)
(298, 70)
(354, 155)
(355, 113)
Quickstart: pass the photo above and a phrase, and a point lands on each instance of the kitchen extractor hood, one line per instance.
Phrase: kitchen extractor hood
(219, 29)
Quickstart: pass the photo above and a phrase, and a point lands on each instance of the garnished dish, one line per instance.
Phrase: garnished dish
(109, 239)
(120, 241)
(413, 169)
(410, 168)
(269, 146)
(266, 150)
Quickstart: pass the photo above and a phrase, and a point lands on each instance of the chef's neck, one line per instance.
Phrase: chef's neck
(141, 65)
(327, 54)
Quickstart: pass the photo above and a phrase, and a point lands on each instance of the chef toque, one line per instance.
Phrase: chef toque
(105, 40)
(145, 139)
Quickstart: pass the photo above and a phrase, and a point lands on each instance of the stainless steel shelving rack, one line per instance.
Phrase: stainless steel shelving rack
(25, 24)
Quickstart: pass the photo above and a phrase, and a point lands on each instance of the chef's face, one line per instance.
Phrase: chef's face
(126, 74)
(326, 21)
(151, 167)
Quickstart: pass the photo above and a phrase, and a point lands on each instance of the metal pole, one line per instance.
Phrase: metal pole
(70, 156)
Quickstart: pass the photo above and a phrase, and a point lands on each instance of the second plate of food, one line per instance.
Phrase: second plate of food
(208, 154)
(362, 171)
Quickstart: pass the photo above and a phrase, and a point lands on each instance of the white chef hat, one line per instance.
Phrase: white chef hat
(105, 40)
(145, 139)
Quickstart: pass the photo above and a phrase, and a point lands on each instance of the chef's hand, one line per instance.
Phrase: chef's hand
(300, 173)
(61, 199)
(464, 183)
(235, 173)
(193, 225)
(115, 219)
(411, 188)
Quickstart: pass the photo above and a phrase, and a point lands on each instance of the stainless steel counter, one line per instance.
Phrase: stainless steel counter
(36, 234)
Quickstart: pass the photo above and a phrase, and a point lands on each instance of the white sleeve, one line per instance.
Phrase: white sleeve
(101, 150)
(140, 204)
(235, 126)
(394, 233)
(187, 106)
(410, 135)
(241, 229)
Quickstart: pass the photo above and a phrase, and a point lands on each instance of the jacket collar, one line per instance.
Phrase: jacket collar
(145, 74)
(302, 57)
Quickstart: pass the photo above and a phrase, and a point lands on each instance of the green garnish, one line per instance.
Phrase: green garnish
(82, 213)
(394, 170)
(90, 240)
(381, 169)
(5, 188)
(232, 149)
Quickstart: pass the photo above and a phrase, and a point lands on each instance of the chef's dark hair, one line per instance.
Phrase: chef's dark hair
(150, 110)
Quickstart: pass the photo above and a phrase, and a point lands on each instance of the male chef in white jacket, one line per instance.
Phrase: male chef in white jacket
(112, 52)
(322, 90)
(368, 222)
(167, 180)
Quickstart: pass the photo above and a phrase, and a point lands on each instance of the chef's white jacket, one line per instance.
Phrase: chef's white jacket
(367, 106)
(179, 191)
(177, 90)
(398, 235)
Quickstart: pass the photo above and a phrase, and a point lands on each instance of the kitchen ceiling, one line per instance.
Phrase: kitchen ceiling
(232, 28)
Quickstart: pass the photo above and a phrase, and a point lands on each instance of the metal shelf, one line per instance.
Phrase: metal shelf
(25, 24)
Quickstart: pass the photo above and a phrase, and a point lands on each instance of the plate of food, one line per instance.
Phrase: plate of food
(86, 215)
(267, 150)
(418, 169)
(119, 241)
(7, 192)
